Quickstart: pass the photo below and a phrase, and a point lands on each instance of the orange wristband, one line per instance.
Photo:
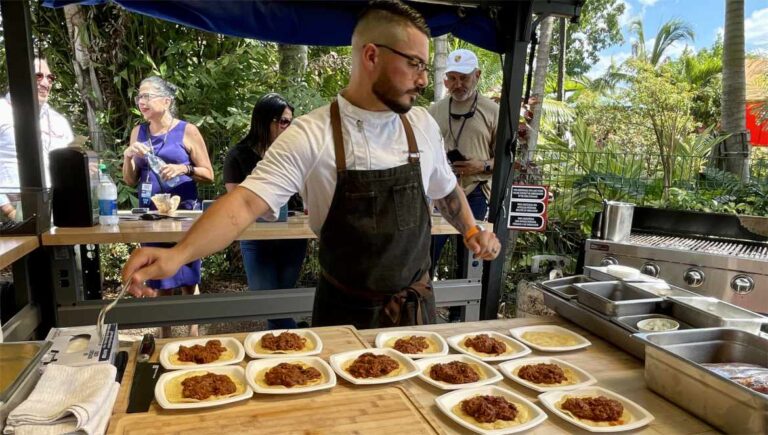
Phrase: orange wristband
(471, 232)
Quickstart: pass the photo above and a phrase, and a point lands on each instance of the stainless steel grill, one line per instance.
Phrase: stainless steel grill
(707, 253)
(730, 248)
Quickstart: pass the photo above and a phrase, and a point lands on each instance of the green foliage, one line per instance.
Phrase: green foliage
(669, 33)
(112, 259)
(598, 29)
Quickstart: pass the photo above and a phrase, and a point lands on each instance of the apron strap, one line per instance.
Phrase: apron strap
(413, 150)
(338, 139)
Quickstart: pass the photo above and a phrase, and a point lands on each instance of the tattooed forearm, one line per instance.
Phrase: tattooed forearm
(455, 209)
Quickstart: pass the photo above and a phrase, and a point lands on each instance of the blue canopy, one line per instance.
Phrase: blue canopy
(302, 22)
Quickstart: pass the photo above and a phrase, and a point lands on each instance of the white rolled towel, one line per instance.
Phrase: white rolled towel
(67, 400)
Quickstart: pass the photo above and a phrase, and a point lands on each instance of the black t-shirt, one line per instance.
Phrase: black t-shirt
(239, 163)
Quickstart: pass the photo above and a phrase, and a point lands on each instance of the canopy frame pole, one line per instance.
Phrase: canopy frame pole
(513, 22)
(21, 83)
(31, 275)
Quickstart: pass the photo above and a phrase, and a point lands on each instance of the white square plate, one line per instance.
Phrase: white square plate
(447, 401)
(252, 339)
(173, 347)
(340, 359)
(490, 374)
(234, 371)
(640, 417)
(517, 349)
(256, 366)
(383, 337)
(581, 342)
(508, 369)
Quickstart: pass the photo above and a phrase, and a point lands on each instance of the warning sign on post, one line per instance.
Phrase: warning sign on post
(528, 208)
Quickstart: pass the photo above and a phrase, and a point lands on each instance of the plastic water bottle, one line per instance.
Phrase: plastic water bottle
(155, 163)
(107, 199)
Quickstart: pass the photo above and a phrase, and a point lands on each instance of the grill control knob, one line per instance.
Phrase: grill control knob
(742, 284)
(694, 277)
(650, 269)
(608, 261)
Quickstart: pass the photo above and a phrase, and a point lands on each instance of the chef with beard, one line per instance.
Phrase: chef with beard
(366, 165)
(54, 133)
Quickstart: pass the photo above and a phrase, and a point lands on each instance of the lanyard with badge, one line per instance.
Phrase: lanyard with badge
(145, 192)
(455, 116)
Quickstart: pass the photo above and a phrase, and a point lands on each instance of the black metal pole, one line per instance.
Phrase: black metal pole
(33, 272)
(21, 83)
(514, 26)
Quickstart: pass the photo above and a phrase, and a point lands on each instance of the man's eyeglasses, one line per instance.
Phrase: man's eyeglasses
(51, 77)
(283, 122)
(145, 97)
(413, 61)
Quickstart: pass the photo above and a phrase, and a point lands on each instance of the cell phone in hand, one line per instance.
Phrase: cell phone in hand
(455, 155)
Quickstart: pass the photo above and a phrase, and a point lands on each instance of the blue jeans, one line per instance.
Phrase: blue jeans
(479, 206)
(272, 265)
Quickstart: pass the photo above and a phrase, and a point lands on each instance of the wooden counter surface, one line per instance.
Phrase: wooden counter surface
(614, 369)
(386, 409)
(173, 230)
(343, 409)
(13, 248)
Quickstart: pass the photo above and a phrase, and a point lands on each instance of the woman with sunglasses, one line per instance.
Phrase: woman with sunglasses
(180, 148)
(269, 264)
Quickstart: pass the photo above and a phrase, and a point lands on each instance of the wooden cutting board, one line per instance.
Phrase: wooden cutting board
(335, 339)
(343, 409)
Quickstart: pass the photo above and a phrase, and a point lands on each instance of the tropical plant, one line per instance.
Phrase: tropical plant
(597, 29)
(731, 156)
(669, 33)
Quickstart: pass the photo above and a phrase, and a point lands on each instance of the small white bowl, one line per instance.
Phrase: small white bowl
(171, 348)
(257, 365)
(233, 371)
(491, 375)
(252, 339)
(340, 359)
(508, 369)
(658, 324)
(516, 348)
(383, 337)
(447, 401)
(640, 416)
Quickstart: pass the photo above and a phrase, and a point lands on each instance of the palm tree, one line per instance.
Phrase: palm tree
(733, 156)
(669, 33)
(540, 78)
(438, 65)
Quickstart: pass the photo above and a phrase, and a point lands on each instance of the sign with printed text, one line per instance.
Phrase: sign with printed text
(528, 207)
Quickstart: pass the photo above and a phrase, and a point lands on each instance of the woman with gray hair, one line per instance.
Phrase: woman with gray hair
(166, 155)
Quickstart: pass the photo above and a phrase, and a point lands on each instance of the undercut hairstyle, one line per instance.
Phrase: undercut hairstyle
(388, 14)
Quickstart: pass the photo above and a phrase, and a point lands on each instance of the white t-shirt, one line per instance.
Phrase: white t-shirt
(54, 133)
(302, 159)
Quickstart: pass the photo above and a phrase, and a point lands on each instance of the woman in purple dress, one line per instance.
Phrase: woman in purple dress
(180, 158)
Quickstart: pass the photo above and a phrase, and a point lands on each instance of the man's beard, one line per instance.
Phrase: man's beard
(464, 97)
(385, 92)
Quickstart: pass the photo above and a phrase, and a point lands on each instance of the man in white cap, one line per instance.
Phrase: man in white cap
(467, 121)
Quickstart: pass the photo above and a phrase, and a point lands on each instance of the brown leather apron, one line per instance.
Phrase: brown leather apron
(374, 244)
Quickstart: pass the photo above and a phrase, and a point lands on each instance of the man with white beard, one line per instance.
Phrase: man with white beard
(467, 122)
